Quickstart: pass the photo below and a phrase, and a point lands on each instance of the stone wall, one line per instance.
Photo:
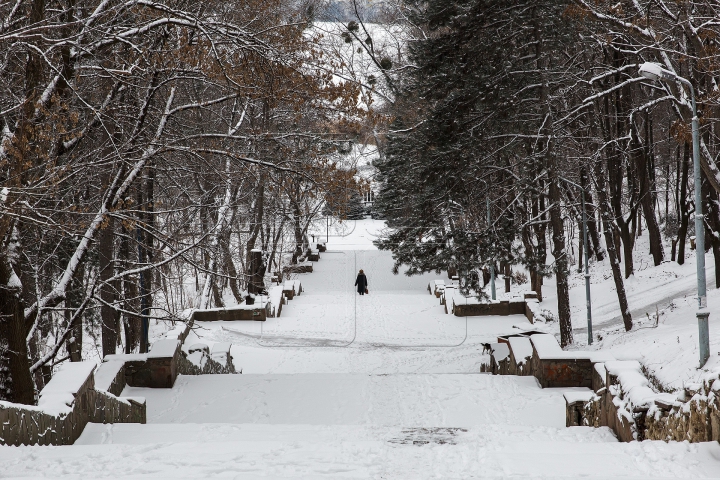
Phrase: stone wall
(618, 395)
(242, 312)
(563, 372)
(305, 267)
(470, 307)
(503, 307)
(63, 412)
(201, 361)
(694, 420)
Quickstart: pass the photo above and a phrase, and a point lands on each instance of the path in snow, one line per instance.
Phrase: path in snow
(398, 328)
(386, 406)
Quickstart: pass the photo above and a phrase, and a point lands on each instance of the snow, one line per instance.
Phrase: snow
(579, 396)
(275, 298)
(345, 386)
(404, 400)
(521, 347)
(633, 382)
(294, 285)
(106, 373)
(546, 346)
(663, 303)
(179, 330)
(69, 378)
(164, 348)
(500, 351)
(312, 452)
(220, 352)
(126, 357)
(59, 394)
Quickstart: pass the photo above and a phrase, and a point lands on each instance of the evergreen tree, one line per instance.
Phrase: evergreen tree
(474, 124)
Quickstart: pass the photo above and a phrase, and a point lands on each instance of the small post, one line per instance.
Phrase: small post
(327, 230)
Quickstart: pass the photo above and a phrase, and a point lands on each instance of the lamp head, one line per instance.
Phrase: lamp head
(653, 71)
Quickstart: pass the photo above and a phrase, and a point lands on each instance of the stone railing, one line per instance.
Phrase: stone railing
(625, 402)
(618, 394)
(67, 403)
(156, 369)
(462, 306)
(201, 360)
(436, 287)
(302, 267)
(257, 312)
(265, 306)
(166, 360)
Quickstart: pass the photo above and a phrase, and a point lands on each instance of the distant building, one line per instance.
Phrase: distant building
(363, 157)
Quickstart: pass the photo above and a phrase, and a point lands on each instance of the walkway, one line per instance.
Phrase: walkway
(384, 386)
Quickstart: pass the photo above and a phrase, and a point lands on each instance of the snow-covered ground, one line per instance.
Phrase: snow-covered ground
(341, 386)
(668, 348)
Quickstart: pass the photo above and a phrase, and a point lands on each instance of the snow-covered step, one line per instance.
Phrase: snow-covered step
(339, 451)
(414, 400)
(158, 433)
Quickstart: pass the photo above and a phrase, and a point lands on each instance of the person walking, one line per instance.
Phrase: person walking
(361, 283)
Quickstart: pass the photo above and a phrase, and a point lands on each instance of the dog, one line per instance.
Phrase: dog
(487, 348)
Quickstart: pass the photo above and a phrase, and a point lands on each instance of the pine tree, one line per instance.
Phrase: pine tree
(474, 125)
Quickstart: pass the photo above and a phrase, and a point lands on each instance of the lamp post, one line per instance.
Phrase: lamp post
(655, 72)
(492, 266)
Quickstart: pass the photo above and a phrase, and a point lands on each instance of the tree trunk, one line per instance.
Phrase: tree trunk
(297, 230)
(224, 243)
(16, 383)
(609, 223)
(72, 303)
(541, 248)
(131, 323)
(684, 206)
(648, 203)
(142, 276)
(562, 269)
(594, 244)
(508, 273)
(149, 243)
(529, 255)
(107, 313)
(581, 247)
(713, 222)
(257, 272)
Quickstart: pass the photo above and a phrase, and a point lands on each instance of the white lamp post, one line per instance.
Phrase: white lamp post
(655, 72)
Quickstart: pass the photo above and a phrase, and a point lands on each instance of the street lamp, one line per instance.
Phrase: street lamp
(655, 72)
(492, 266)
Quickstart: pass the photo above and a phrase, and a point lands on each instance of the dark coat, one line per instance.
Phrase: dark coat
(361, 283)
